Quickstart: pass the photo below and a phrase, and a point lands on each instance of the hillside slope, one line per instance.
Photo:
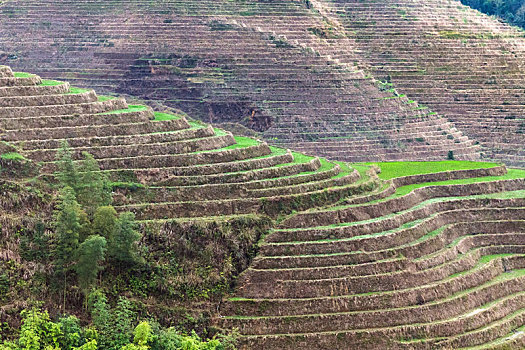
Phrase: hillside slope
(282, 68)
(461, 63)
(402, 255)
(432, 260)
(202, 196)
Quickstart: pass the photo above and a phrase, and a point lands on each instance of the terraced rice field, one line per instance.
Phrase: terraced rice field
(191, 169)
(283, 68)
(432, 258)
(462, 64)
(397, 255)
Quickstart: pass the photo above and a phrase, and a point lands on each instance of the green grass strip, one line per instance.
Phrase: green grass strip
(159, 116)
(390, 170)
(240, 142)
(51, 83)
(298, 158)
(23, 75)
(219, 132)
(74, 91)
(102, 98)
(130, 109)
(346, 169)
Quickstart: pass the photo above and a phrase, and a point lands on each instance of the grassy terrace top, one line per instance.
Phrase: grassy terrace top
(390, 170)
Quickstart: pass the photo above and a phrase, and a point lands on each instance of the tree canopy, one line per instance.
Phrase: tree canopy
(513, 11)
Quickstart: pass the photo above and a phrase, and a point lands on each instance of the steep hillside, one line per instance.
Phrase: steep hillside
(432, 260)
(280, 67)
(400, 255)
(202, 197)
(462, 64)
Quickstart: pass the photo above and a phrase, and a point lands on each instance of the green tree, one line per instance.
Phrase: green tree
(114, 326)
(67, 234)
(90, 345)
(104, 223)
(100, 313)
(74, 337)
(67, 229)
(93, 190)
(169, 339)
(38, 332)
(142, 336)
(90, 254)
(67, 172)
(71, 332)
(122, 327)
(85, 226)
(125, 240)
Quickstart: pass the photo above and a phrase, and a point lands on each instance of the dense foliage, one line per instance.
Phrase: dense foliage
(86, 226)
(154, 272)
(513, 11)
(112, 329)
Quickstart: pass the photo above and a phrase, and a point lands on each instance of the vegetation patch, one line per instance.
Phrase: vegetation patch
(390, 170)
(23, 75)
(75, 90)
(46, 82)
(130, 109)
(160, 116)
(14, 156)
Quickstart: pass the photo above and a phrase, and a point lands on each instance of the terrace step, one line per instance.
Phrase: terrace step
(42, 100)
(419, 195)
(17, 125)
(254, 189)
(37, 90)
(281, 170)
(161, 160)
(270, 206)
(187, 135)
(151, 174)
(65, 109)
(172, 148)
(14, 81)
(455, 307)
(433, 241)
(102, 130)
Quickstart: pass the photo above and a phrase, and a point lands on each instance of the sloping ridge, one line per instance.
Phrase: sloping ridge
(464, 65)
(280, 67)
(169, 167)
